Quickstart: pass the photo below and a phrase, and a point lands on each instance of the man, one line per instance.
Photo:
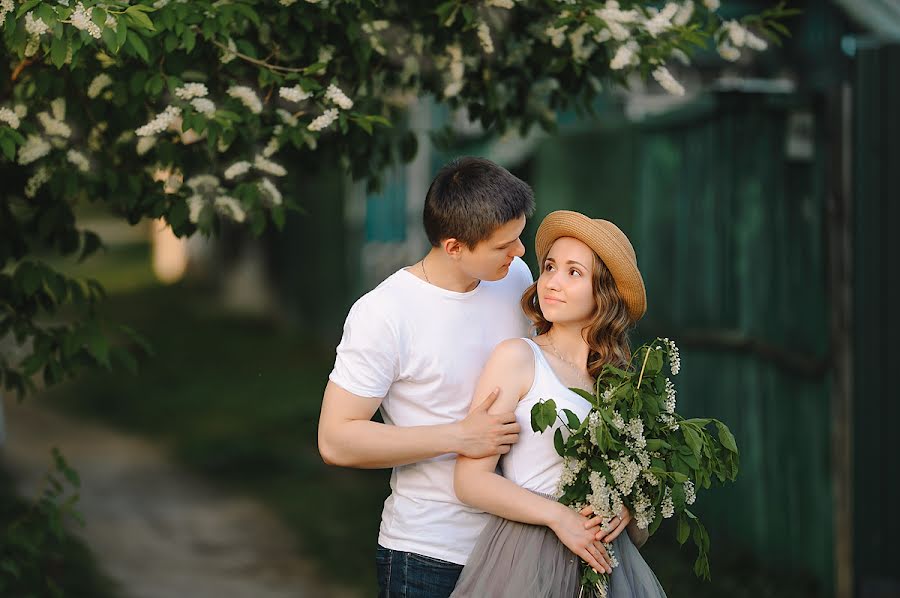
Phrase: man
(414, 347)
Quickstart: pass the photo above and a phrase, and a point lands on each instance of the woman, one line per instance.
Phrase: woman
(588, 296)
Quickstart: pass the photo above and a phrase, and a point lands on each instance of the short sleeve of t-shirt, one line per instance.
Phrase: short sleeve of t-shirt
(367, 360)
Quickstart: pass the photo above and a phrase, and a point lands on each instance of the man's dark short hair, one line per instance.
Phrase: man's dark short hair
(470, 198)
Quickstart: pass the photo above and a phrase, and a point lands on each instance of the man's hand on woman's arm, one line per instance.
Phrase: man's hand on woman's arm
(348, 437)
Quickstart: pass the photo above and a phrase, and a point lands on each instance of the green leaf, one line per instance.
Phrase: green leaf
(543, 414)
(585, 395)
(9, 147)
(137, 44)
(558, 443)
(684, 530)
(655, 444)
(121, 34)
(137, 16)
(571, 419)
(726, 438)
(137, 338)
(692, 439)
(26, 7)
(90, 246)
(58, 51)
(97, 344)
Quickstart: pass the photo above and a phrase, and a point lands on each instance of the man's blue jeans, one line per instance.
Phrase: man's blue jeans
(409, 575)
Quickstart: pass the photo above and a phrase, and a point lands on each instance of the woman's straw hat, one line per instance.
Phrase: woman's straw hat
(608, 242)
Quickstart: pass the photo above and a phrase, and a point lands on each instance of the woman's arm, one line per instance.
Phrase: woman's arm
(511, 369)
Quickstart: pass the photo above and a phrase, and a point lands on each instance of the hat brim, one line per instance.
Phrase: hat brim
(608, 242)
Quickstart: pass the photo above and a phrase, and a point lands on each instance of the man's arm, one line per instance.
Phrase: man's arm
(348, 437)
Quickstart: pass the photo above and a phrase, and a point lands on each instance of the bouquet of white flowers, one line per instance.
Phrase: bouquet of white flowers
(634, 450)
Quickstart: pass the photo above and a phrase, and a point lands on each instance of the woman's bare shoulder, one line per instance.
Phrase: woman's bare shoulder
(513, 351)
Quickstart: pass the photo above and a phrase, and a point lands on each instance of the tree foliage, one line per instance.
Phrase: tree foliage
(179, 110)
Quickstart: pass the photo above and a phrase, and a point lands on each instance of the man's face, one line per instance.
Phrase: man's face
(490, 259)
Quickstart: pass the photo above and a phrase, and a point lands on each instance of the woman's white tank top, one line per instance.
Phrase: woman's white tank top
(533, 462)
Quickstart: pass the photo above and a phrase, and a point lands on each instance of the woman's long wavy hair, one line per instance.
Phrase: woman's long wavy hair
(607, 333)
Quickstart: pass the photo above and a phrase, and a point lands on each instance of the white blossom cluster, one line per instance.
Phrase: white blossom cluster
(160, 122)
(507, 4)
(484, 38)
(618, 421)
(556, 35)
(294, 94)
(667, 81)
(626, 55)
(98, 84)
(229, 206)
(371, 30)
(670, 397)
(690, 494)
(668, 420)
(581, 49)
(237, 169)
(644, 512)
(625, 472)
(605, 501)
(35, 26)
(189, 91)
(324, 120)
(6, 7)
(456, 70)
(662, 20)
(204, 106)
(635, 430)
(207, 191)
(53, 126)
(734, 37)
(144, 145)
(36, 181)
(569, 474)
(593, 424)
(336, 96)
(95, 136)
(674, 356)
(667, 506)
(273, 145)
(81, 19)
(264, 164)
(34, 148)
(247, 97)
(78, 160)
(270, 194)
(9, 117)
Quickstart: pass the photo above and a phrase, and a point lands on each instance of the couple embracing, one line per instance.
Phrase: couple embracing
(455, 350)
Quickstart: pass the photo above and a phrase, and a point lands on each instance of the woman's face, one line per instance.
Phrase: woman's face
(565, 287)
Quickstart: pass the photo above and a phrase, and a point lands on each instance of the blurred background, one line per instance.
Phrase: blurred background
(762, 206)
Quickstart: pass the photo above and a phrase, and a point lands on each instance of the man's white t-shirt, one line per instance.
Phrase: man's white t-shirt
(422, 348)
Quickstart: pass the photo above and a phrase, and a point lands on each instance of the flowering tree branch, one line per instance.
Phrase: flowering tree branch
(180, 111)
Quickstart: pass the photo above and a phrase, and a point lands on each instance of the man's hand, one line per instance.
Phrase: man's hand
(484, 434)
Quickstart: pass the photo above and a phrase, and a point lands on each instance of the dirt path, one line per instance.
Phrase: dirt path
(156, 530)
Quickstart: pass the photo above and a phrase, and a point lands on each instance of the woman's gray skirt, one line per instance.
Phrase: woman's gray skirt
(517, 560)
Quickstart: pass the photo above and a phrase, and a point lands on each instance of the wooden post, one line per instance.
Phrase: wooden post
(839, 117)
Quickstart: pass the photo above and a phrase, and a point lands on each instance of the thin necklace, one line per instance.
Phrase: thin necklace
(574, 367)
(424, 273)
